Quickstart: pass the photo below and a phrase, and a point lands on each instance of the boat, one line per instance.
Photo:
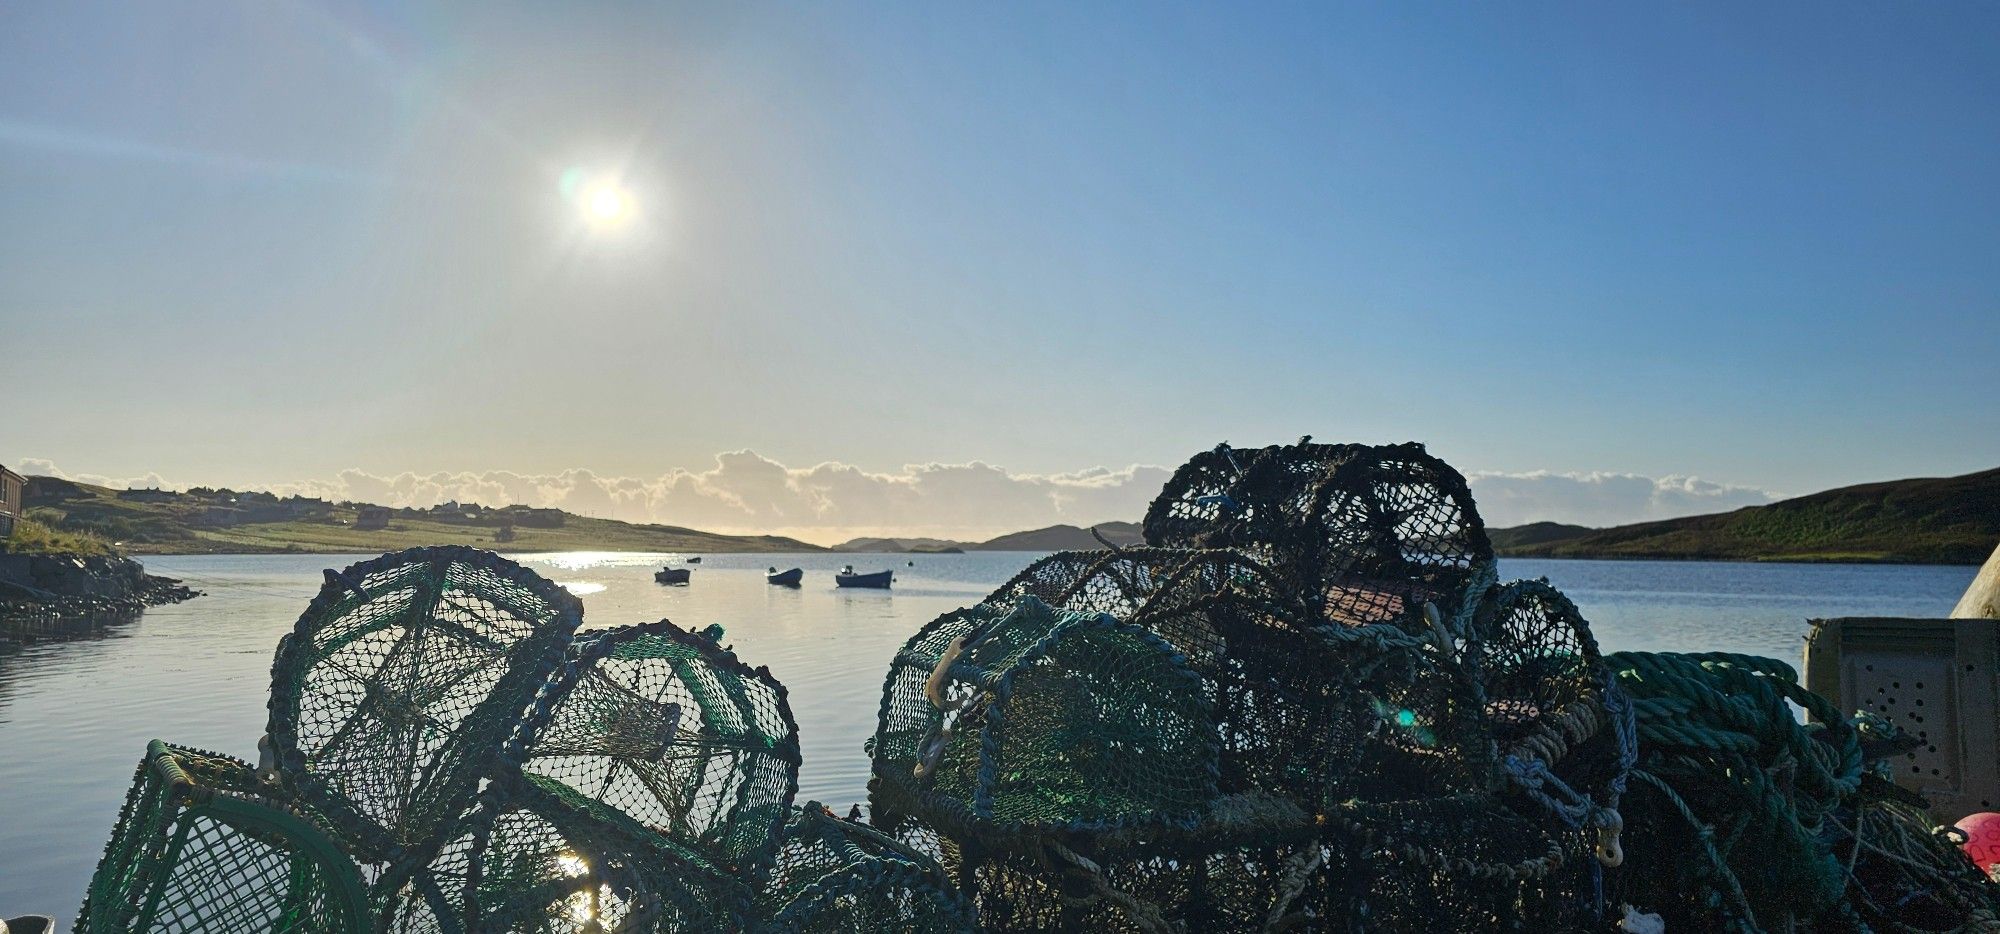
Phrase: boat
(672, 575)
(879, 579)
(785, 578)
(694, 560)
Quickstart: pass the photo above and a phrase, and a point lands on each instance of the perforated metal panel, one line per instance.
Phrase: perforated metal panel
(1936, 680)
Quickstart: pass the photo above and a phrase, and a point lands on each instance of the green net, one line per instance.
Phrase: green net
(203, 845)
(392, 695)
(840, 876)
(669, 729)
(1025, 720)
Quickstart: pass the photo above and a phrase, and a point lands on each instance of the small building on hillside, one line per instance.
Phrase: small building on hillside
(306, 507)
(532, 518)
(12, 487)
(49, 491)
(371, 517)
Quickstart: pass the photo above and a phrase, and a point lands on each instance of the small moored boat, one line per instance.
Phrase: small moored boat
(879, 579)
(672, 575)
(789, 578)
(694, 560)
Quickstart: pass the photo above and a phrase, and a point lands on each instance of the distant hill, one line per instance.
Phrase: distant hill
(1534, 533)
(1948, 520)
(202, 521)
(1066, 538)
(898, 545)
(1053, 538)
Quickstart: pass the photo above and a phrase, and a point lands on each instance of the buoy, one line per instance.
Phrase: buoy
(1982, 839)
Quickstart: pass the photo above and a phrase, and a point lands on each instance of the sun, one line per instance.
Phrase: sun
(606, 204)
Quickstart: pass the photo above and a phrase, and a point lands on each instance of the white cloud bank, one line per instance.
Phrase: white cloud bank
(747, 493)
(1601, 499)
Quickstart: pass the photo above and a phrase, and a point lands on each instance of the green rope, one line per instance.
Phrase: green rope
(1751, 820)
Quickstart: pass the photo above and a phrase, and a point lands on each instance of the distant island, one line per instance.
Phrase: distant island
(1948, 520)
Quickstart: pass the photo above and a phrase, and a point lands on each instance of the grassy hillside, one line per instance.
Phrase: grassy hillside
(1053, 538)
(1948, 520)
(899, 545)
(33, 538)
(1509, 540)
(189, 524)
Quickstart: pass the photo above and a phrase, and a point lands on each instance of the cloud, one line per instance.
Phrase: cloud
(747, 493)
(40, 467)
(744, 492)
(1602, 499)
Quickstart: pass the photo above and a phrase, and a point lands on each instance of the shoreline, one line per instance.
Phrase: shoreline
(1674, 559)
(66, 585)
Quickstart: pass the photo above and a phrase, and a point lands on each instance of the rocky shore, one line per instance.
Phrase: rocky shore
(38, 584)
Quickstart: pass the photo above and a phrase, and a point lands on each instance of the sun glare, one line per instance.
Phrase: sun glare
(600, 198)
(606, 204)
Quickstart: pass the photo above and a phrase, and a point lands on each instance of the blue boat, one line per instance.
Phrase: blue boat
(879, 580)
(785, 578)
(672, 575)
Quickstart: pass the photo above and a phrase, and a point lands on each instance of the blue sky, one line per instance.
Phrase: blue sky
(262, 243)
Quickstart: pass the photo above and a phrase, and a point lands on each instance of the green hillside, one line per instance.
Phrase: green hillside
(1066, 538)
(1052, 538)
(223, 521)
(1948, 520)
(1511, 540)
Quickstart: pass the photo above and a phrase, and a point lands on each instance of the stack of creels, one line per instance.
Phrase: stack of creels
(1398, 743)
(446, 754)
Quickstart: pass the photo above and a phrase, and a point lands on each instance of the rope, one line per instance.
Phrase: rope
(1143, 913)
(1788, 826)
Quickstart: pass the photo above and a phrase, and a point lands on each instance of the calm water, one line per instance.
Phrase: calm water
(77, 708)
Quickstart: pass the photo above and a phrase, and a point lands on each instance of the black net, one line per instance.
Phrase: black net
(1359, 533)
